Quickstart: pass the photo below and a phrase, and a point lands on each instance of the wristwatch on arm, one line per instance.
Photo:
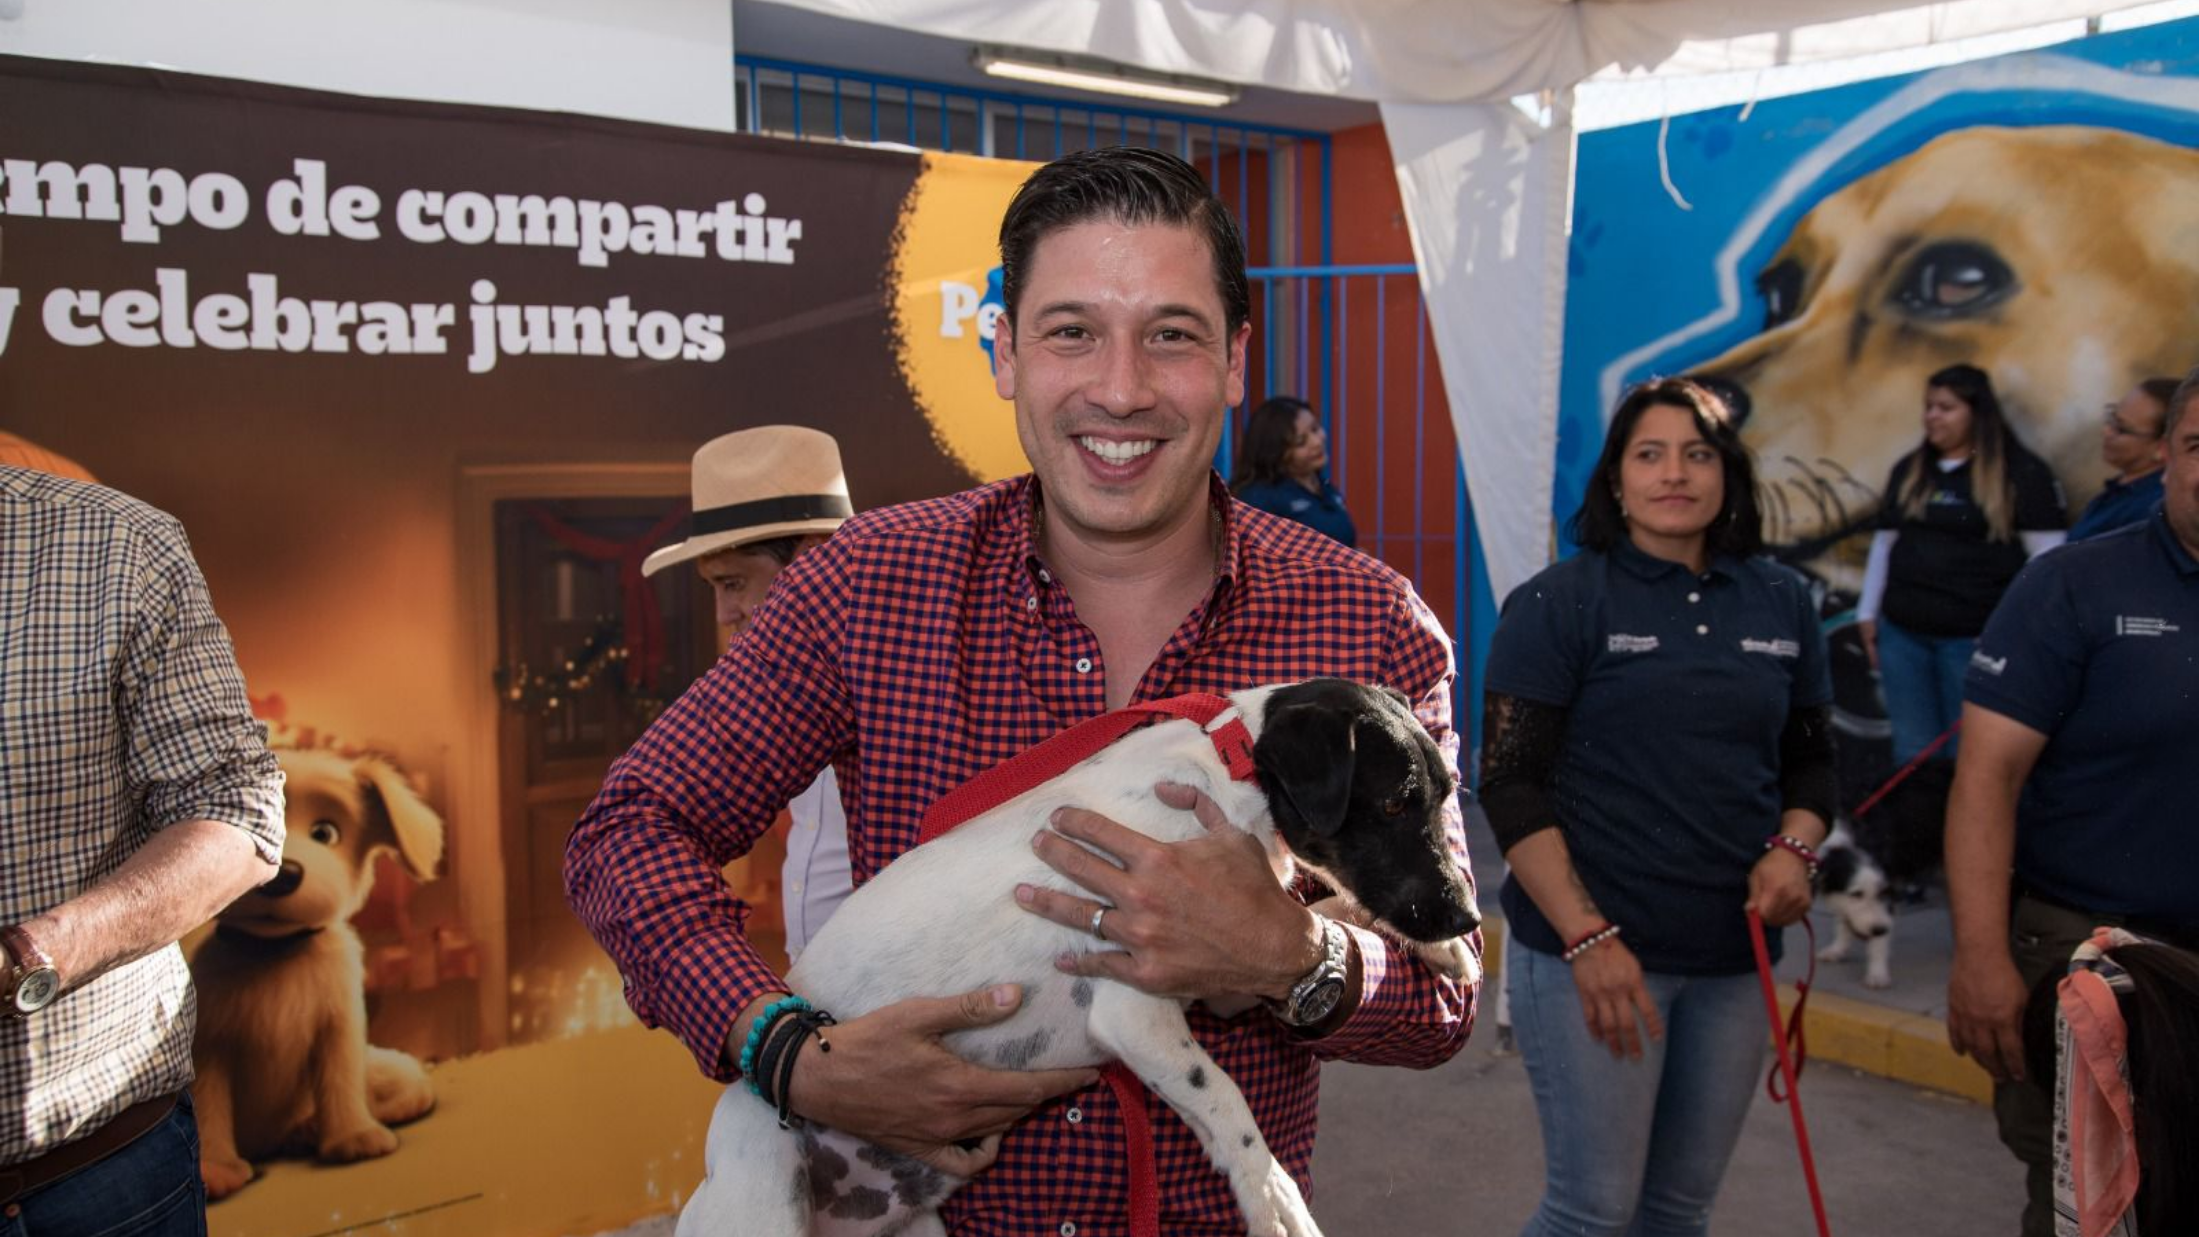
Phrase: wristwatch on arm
(30, 983)
(1316, 995)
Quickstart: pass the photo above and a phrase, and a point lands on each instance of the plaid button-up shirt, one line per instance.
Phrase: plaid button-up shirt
(121, 713)
(921, 645)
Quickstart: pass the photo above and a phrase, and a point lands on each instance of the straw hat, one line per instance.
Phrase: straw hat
(772, 481)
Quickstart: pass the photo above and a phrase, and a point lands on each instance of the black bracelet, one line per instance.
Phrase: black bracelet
(775, 1063)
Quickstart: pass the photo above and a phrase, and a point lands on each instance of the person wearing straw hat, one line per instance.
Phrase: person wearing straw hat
(762, 497)
(931, 640)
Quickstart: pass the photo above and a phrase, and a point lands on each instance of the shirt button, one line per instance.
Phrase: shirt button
(1068, 1228)
(794, 887)
(1702, 629)
(1073, 1116)
(1694, 597)
(1031, 602)
(1045, 575)
(1084, 665)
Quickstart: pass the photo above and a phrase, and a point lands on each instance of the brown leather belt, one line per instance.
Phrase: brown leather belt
(132, 1123)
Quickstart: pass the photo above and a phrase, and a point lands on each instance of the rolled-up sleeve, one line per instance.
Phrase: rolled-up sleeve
(194, 752)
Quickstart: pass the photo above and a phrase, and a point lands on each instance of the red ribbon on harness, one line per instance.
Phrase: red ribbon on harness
(1072, 747)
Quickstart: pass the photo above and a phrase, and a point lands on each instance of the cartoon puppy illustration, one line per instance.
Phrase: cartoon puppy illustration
(283, 1062)
(2064, 260)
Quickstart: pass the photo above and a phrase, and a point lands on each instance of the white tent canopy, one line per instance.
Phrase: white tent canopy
(1486, 190)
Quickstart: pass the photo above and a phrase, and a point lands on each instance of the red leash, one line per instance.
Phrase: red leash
(1072, 747)
(1789, 1069)
(1915, 762)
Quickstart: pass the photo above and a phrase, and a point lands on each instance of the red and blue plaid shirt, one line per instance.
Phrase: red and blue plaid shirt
(921, 645)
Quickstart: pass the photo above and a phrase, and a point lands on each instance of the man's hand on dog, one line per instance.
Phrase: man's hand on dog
(888, 1079)
(1202, 918)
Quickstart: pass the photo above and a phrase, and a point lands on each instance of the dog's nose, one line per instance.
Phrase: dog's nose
(285, 881)
(1464, 918)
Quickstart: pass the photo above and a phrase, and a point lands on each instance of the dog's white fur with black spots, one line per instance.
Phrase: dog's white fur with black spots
(1331, 756)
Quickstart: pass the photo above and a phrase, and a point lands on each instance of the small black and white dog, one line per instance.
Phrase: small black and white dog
(1854, 885)
(1347, 785)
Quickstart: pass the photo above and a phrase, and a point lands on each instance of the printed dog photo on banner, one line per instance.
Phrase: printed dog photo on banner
(426, 393)
(1817, 257)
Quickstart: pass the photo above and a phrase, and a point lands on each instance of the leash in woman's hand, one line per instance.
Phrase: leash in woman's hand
(1789, 1068)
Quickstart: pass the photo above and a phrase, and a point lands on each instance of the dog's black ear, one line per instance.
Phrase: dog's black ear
(1398, 696)
(1304, 758)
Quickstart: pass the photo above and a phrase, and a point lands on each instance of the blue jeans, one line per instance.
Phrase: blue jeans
(150, 1188)
(1921, 678)
(1636, 1148)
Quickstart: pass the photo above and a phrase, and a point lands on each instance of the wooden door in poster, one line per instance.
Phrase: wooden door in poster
(568, 708)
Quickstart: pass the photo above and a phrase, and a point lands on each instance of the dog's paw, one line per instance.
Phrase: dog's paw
(1289, 1218)
(1452, 960)
(1877, 977)
(1835, 952)
(224, 1177)
(364, 1143)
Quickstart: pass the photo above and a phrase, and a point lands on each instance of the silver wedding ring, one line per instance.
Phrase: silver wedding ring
(1098, 931)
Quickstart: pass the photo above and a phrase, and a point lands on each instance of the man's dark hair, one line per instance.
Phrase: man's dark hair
(1739, 527)
(1129, 184)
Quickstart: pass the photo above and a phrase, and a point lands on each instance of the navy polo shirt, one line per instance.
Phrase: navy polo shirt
(2097, 647)
(1323, 512)
(2119, 502)
(1677, 688)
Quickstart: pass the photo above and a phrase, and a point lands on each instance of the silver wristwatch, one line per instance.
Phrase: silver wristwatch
(1315, 996)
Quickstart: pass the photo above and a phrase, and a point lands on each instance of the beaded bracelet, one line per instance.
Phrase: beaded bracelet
(1801, 850)
(759, 1029)
(1588, 942)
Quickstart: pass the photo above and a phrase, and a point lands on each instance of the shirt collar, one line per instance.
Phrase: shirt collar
(2117, 483)
(1032, 501)
(1649, 567)
(2170, 542)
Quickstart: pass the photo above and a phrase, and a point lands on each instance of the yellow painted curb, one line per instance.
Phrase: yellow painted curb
(1891, 1043)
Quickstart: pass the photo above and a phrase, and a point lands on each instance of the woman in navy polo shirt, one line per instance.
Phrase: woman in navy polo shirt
(1657, 761)
(1280, 468)
(1961, 515)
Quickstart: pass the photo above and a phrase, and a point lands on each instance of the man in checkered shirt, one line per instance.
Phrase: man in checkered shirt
(137, 797)
(929, 641)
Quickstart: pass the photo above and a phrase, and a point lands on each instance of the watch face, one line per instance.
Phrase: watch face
(1319, 1001)
(37, 990)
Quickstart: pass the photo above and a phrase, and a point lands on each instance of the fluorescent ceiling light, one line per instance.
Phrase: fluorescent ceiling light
(1104, 77)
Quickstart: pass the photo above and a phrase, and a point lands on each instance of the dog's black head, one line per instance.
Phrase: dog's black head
(1357, 790)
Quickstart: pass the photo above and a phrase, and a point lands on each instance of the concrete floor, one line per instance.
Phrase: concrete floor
(1457, 1151)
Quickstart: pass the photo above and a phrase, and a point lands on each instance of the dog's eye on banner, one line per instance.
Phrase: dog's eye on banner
(1781, 288)
(1953, 279)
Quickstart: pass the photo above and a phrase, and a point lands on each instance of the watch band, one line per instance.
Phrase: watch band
(1316, 994)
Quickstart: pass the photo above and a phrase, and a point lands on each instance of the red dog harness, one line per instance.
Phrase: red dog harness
(1072, 747)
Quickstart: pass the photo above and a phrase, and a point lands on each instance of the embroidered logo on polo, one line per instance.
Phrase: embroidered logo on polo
(1772, 648)
(2133, 625)
(1990, 665)
(1617, 643)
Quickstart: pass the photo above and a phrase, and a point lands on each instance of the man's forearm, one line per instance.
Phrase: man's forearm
(1980, 854)
(178, 880)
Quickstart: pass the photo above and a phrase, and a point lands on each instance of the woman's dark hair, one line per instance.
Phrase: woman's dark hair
(1992, 445)
(2161, 1020)
(1266, 442)
(1136, 186)
(1739, 528)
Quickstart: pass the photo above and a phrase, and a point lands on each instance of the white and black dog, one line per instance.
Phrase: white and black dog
(1347, 785)
(1855, 886)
